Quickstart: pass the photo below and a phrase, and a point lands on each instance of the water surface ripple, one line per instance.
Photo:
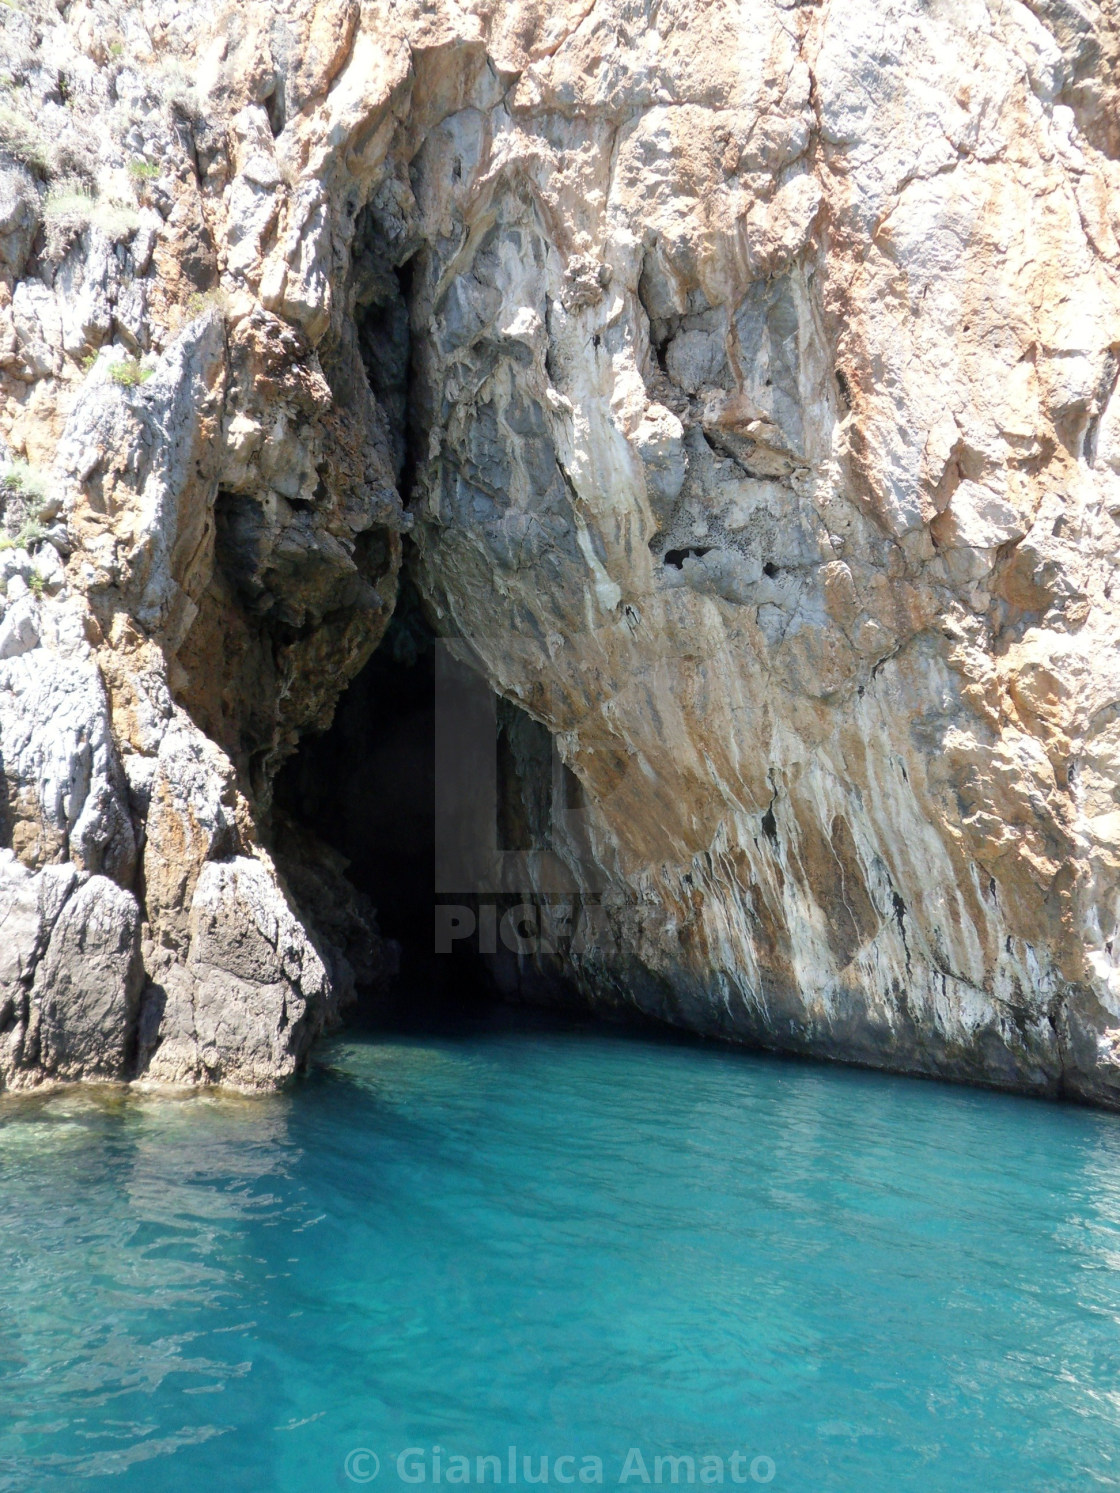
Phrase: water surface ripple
(571, 1242)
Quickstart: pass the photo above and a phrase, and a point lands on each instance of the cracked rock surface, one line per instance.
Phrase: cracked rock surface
(750, 371)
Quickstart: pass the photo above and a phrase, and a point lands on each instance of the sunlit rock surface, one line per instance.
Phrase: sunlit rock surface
(750, 374)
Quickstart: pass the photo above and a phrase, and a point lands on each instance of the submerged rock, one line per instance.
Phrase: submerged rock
(751, 376)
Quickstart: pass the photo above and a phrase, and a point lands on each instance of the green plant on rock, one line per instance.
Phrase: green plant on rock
(25, 141)
(201, 301)
(129, 373)
(23, 480)
(37, 584)
(33, 532)
(143, 170)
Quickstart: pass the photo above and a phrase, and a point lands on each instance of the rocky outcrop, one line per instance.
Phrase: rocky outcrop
(203, 538)
(752, 374)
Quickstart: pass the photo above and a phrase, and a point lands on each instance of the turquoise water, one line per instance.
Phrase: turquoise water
(575, 1243)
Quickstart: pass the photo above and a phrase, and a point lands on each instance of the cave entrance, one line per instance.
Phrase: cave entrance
(366, 786)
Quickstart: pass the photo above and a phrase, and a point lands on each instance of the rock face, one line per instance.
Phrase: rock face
(750, 370)
(202, 545)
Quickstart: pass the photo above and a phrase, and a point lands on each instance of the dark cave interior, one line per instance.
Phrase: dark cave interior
(366, 786)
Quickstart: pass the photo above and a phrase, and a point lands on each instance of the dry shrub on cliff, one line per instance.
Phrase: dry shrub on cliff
(23, 482)
(24, 502)
(207, 300)
(73, 158)
(71, 208)
(24, 142)
(177, 89)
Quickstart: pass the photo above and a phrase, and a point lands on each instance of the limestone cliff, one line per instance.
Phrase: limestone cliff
(753, 371)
